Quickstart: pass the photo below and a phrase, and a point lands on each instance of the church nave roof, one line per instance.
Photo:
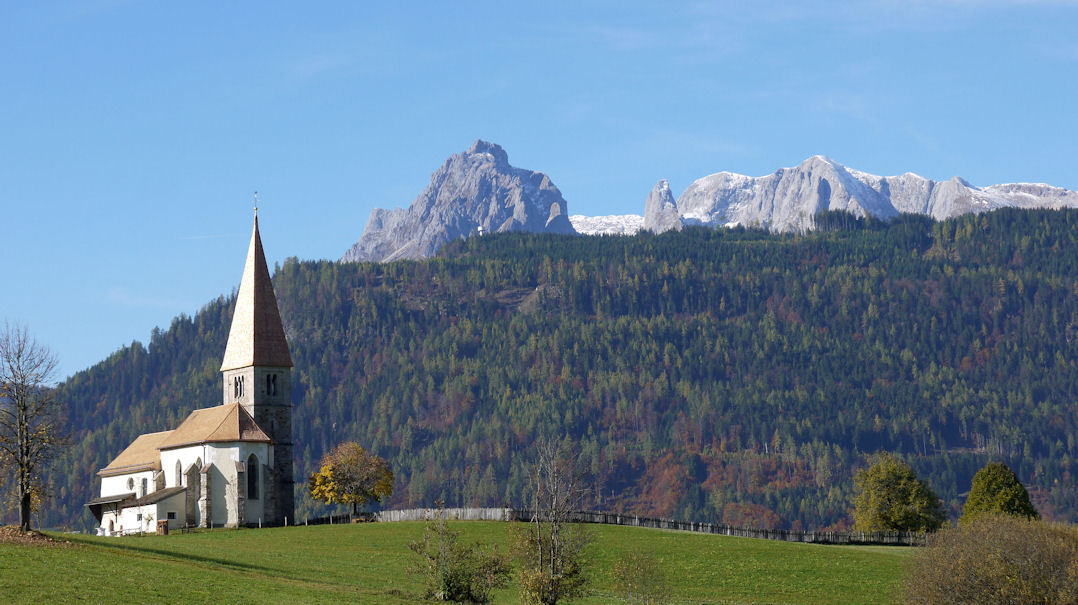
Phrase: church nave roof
(229, 422)
(142, 455)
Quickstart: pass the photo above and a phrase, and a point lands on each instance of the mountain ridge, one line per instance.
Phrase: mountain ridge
(789, 198)
(478, 191)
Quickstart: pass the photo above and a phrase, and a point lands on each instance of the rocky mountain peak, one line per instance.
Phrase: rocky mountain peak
(481, 146)
(660, 210)
(472, 191)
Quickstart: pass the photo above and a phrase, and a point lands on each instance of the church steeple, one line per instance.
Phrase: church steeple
(257, 374)
(257, 335)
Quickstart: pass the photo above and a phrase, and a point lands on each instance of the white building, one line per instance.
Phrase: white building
(229, 465)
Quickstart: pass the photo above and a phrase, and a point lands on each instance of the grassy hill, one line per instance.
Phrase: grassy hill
(367, 564)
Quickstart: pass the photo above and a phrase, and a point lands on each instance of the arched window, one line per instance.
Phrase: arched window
(252, 477)
(271, 385)
(142, 491)
(179, 474)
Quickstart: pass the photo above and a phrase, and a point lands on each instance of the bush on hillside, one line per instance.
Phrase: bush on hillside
(997, 559)
(457, 571)
(996, 489)
(641, 579)
(890, 497)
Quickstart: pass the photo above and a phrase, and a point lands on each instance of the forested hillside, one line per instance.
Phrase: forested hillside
(727, 375)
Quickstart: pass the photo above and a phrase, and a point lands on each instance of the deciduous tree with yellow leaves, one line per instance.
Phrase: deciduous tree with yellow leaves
(349, 474)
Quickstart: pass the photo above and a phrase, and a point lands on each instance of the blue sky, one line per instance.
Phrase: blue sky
(135, 133)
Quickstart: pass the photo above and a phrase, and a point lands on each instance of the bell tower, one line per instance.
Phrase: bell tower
(257, 374)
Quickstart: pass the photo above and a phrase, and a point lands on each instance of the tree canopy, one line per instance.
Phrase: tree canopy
(996, 489)
(890, 497)
(350, 475)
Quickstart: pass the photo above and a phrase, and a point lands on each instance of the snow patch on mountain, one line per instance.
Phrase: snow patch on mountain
(612, 224)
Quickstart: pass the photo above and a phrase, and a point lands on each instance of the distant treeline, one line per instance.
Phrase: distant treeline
(730, 376)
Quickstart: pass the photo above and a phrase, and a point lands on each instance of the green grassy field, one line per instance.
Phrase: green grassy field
(368, 564)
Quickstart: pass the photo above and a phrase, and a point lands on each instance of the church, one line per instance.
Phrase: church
(224, 466)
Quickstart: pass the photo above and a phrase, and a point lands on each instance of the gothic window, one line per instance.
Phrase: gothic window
(252, 477)
(237, 387)
(142, 492)
(271, 385)
(179, 474)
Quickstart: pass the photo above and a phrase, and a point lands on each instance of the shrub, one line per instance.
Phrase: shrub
(456, 571)
(890, 497)
(553, 566)
(997, 489)
(641, 579)
(997, 559)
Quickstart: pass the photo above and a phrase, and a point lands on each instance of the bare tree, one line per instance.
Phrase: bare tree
(30, 431)
(552, 549)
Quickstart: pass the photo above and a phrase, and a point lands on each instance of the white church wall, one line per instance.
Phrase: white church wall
(136, 519)
(226, 488)
(110, 521)
(219, 487)
(131, 482)
(170, 509)
(254, 507)
(186, 456)
(223, 477)
(143, 519)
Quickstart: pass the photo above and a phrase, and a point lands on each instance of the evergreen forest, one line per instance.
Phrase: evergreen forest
(727, 375)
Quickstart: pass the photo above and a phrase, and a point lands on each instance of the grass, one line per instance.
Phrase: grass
(368, 564)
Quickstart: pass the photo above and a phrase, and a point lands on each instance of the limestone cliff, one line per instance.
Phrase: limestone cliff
(472, 191)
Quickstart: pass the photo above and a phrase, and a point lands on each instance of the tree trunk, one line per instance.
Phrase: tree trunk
(24, 512)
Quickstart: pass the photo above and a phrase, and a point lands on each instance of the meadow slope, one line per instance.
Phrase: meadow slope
(368, 564)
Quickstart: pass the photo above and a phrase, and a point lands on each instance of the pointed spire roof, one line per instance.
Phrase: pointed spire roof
(257, 335)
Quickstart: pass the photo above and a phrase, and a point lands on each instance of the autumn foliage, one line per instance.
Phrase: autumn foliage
(349, 474)
(997, 558)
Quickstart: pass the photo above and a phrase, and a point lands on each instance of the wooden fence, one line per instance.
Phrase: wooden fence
(787, 535)
(453, 514)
